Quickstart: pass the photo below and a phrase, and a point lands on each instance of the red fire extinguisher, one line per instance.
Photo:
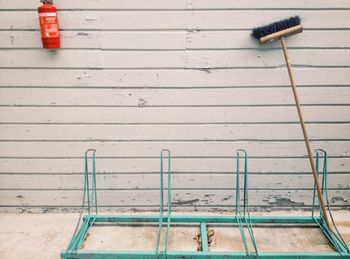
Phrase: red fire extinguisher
(50, 34)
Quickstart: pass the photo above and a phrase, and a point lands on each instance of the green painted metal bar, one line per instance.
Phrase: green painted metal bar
(331, 238)
(246, 221)
(207, 219)
(91, 193)
(76, 231)
(168, 201)
(334, 237)
(75, 241)
(243, 237)
(86, 185)
(64, 255)
(78, 235)
(161, 205)
(314, 187)
(337, 236)
(261, 255)
(246, 212)
(220, 219)
(204, 236)
(241, 219)
(72, 245)
(176, 255)
(94, 188)
(168, 216)
(238, 204)
(90, 224)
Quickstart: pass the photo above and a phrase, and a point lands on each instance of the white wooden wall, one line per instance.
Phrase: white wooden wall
(136, 76)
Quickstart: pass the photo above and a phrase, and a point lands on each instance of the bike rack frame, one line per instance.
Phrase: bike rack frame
(241, 219)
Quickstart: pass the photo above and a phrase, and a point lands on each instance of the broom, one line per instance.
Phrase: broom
(278, 31)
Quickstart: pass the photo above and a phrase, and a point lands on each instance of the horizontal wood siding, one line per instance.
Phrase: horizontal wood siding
(171, 40)
(136, 76)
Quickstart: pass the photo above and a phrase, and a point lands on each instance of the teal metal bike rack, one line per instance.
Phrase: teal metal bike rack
(241, 219)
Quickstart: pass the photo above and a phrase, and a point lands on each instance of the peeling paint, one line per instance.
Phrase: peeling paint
(286, 202)
(208, 70)
(185, 202)
(12, 38)
(142, 102)
(338, 199)
(90, 18)
(227, 198)
(83, 34)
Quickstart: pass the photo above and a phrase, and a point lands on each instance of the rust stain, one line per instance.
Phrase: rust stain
(198, 239)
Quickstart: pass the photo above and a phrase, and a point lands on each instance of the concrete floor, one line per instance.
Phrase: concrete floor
(36, 236)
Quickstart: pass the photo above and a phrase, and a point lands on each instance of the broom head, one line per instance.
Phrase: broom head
(276, 30)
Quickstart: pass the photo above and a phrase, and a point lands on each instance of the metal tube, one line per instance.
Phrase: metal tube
(204, 237)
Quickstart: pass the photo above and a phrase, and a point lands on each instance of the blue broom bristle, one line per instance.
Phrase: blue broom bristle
(275, 27)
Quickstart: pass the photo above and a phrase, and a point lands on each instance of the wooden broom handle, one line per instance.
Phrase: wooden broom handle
(306, 138)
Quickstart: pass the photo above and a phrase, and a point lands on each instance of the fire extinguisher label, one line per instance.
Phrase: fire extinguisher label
(47, 14)
(48, 25)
